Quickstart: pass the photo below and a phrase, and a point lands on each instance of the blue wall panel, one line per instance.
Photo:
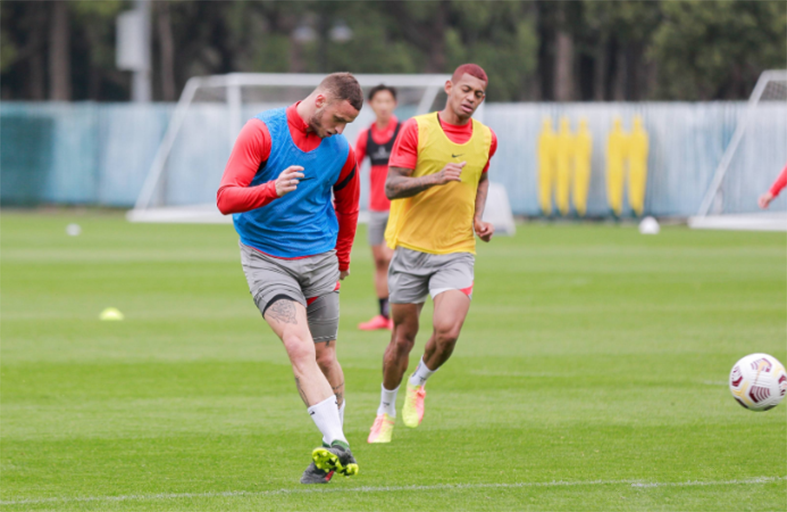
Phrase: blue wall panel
(88, 153)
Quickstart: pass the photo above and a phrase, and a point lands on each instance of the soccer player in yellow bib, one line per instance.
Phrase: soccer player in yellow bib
(438, 185)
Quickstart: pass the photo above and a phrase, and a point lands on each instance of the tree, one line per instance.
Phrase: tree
(60, 52)
(617, 36)
(716, 50)
(8, 51)
(166, 46)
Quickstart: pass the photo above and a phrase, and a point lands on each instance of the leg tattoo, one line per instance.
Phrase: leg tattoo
(283, 311)
(337, 390)
(300, 391)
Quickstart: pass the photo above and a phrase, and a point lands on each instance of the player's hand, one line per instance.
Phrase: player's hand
(451, 172)
(484, 230)
(765, 200)
(288, 180)
(343, 274)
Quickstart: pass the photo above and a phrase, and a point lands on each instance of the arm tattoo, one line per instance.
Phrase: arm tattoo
(480, 196)
(399, 184)
(300, 391)
(282, 311)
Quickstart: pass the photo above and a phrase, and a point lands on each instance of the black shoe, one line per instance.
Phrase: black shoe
(336, 458)
(315, 475)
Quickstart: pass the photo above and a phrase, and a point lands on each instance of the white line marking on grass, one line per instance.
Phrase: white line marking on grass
(367, 489)
(699, 483)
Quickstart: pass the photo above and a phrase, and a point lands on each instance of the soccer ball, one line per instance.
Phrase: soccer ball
(758, 382)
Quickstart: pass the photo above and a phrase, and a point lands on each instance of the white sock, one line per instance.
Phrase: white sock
(326, 416)
(388, 402)
(341, 411)
(421, 374)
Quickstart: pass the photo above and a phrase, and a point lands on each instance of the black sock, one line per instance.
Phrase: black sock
(384, 307)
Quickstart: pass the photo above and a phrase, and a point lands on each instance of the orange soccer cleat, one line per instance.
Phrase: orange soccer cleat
(381, 429)
(376, 323)
(413, 410)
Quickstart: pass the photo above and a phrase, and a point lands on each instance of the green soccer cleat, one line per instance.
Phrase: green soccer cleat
(336, 458)
(413, 411)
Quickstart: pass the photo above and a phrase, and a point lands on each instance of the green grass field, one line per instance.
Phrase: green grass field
(590, 375)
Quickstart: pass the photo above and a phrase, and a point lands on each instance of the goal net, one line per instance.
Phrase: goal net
(757, 152)
(183, 179)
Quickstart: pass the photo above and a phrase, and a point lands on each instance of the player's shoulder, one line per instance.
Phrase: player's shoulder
(268, 115)
(428, 117)
(486, 128)
(411, 123)
(493, 134)
(254, 130)
(339, 142)
(409, 128)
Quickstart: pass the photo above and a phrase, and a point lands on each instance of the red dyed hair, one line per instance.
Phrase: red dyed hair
(472, 70)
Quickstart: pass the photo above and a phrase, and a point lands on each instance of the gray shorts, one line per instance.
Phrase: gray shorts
(414, 274)
(312, 281)
(377, 223)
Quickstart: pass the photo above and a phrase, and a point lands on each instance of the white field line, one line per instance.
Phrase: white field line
(366, 489)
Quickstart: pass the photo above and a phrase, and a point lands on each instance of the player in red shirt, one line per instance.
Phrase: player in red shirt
(437, 181)
(292, 186)
(376, 142)
(777, 187)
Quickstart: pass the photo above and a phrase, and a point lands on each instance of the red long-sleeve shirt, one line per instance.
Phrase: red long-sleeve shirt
(252, 149)
(378, 202)
(780, 183)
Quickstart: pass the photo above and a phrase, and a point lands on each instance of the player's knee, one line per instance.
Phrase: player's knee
(403, 341)
(447, 335)
(299, 349)
(381, 263)
(326, 359)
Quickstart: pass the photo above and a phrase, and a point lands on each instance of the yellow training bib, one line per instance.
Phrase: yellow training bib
(439, 220)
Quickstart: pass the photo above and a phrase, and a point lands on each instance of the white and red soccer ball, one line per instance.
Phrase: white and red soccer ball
(758, 382)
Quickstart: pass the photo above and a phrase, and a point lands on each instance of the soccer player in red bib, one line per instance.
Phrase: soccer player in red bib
(781, 181)
(437, 182)
(376, 142)
(295, 242)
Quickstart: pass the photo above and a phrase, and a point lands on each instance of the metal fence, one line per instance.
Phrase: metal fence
(88, 153)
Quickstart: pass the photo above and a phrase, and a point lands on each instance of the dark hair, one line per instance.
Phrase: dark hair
(382, 87)
(343, 86)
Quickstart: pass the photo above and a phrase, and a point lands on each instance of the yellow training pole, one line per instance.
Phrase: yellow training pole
(616, 155)
(547, 142)
(565, 150)
(583, 151)
(638, 166)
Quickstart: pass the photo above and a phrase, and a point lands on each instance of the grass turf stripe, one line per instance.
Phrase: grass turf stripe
(371, 489)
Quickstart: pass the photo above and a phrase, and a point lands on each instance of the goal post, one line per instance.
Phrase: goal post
(753, 158)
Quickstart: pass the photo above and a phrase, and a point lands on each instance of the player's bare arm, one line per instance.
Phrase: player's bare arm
(400, 183)
(484, 230)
